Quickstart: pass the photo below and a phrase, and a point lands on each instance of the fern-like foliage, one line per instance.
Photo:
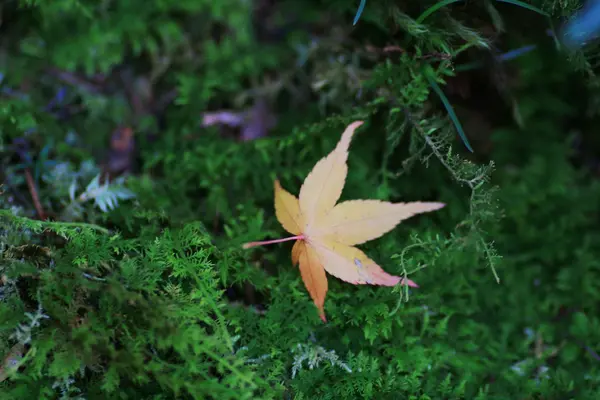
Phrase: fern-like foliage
(106, 196)
(138, 289)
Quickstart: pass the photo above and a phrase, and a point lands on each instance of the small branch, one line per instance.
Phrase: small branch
(591, 352)
(34, 195)
(74, 80)
(389, 50)
(164, 100)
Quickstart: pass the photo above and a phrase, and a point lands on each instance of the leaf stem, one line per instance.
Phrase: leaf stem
(34, 194)
(254, 244)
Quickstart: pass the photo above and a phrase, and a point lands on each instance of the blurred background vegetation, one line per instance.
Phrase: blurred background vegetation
(139, 143)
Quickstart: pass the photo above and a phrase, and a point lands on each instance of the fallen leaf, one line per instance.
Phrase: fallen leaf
(326, 233)
(121, 154)
(255, 122)
(11, 360)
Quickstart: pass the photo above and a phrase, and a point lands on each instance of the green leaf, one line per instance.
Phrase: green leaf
(434, 8)
(449, 109)
(361, 7)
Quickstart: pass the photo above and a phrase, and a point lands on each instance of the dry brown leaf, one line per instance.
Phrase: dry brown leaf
(326, 232)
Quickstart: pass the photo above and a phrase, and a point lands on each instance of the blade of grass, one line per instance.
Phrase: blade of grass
(468, 66)
(361, 7)
(434, 8)
(449, 108)
(509, 55)
(525, 5)
(444, 3)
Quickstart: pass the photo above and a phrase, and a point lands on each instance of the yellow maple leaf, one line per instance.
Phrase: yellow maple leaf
(326, 233)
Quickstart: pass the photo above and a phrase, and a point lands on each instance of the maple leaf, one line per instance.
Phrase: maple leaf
(326, 233)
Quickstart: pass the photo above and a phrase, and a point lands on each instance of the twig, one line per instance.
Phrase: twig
(590, 351)
(389, 50)
(34, 195)
(164, 100)
(74, 80)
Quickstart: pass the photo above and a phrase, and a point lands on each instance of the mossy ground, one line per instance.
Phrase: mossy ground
(135, 286)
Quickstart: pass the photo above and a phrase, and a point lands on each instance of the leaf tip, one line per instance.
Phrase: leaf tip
(356, 124)
(344, 142)
(408, 282)
(439, 205)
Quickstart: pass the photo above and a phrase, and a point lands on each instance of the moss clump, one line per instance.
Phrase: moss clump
(127, 195)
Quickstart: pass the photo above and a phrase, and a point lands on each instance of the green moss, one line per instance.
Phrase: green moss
(140, 289)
